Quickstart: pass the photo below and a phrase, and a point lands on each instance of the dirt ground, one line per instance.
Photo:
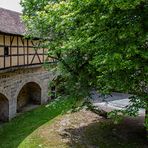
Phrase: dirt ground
(85, 129)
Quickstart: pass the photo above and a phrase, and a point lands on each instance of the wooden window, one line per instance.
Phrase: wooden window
(6, 51)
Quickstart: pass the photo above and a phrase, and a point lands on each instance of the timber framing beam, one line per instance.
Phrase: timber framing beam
(21, 52)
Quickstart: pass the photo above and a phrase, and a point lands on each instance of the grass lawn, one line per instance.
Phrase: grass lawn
(46, 127)
(13, 133)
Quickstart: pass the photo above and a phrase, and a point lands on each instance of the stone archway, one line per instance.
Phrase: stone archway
(4, 108)
(30, 94)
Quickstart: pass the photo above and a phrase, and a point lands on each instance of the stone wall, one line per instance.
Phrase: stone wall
(13, 83)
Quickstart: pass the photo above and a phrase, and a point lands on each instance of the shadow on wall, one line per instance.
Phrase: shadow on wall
(4, 108)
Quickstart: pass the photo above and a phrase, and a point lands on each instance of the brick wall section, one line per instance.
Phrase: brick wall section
(12, 82)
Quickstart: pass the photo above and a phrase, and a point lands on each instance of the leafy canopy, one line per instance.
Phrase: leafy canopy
(100, 44)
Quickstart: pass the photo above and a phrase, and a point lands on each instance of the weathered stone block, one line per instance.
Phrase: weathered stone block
(19, 87)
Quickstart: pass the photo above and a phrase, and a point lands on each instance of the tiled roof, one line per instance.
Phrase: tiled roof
(10, 22)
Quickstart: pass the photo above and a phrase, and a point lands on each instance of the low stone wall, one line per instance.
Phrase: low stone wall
(12, 82)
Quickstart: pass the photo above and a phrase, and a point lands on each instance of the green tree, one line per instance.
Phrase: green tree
(100, 44)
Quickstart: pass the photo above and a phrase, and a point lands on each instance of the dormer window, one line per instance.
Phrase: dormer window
(6, 51)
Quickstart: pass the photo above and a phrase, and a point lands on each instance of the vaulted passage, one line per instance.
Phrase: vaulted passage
(4, 108)
(29, 95)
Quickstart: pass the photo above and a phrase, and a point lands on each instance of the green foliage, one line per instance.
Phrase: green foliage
(131, 110)
(99, 44)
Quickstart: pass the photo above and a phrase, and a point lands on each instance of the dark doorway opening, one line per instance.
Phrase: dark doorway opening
(29, 96)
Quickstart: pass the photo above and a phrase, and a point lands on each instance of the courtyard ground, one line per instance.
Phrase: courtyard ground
(85, 129)
(114, 101)
(45, 128)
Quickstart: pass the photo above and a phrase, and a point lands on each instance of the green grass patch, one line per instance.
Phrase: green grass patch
(14, 132)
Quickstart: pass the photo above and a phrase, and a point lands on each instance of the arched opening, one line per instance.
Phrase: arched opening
(4, 108)
(29, 95)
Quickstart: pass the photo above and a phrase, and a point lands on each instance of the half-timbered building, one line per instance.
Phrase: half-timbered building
(15, 50)
(23, 81)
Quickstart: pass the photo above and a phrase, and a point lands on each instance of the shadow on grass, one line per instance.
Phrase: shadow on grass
(14, 132)
(105, 134)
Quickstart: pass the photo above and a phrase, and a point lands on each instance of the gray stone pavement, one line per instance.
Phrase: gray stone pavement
(113, 101)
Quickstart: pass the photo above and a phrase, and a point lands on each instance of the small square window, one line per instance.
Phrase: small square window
(6, 50)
